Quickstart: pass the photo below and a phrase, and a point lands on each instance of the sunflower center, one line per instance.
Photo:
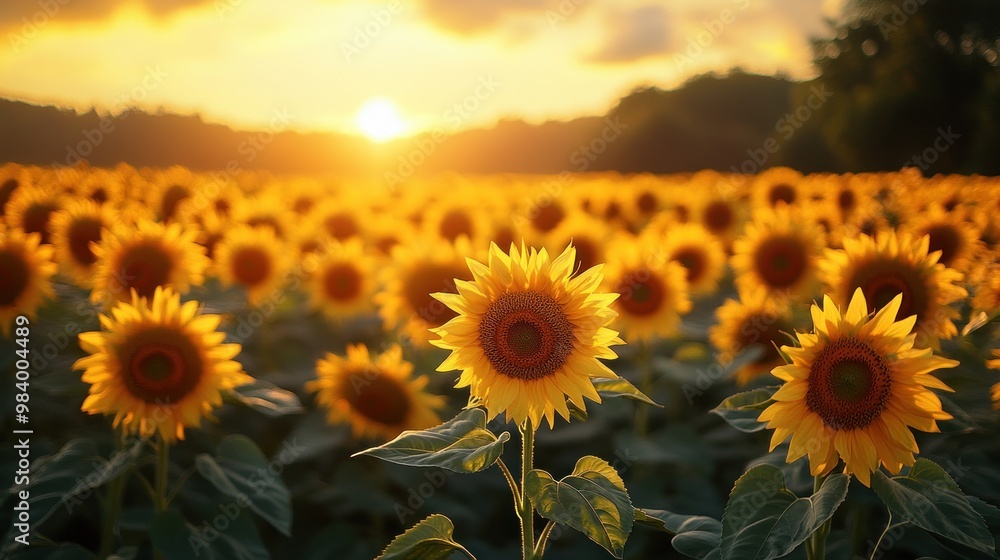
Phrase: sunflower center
(586, 253)
(378, 397)
(781, 193)
(424, 281)
(455, 223)
(36, 219)
(846, 200)
(251, 266)
(145, 267)
(693, 261)
(548, 217)
(342, 282)
(99, 195)
(882, 280)
(718, 216)
(81, 233)
(341, 226)
(172, 199)
(14, 279)
(641, 293)
(526, 335)
(160, 365)
(646, 202)
(946, 239)
(781, 261)
(849, 384)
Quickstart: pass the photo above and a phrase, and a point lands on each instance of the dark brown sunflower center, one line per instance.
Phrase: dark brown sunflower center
(846, 200)
(780, 261)
(160, 365)
(251, 266)
(504, 236)
(946, 239)
(781, 193)
(526, 335)
(14, 280)
(718, 216)
(548, 217)
(36, 219)
(882, 280)
(81, 233)
(693, 260)
(223, 206)
(429, 279)
(641, 292)
(341, 281)
(144, 267)
(99, 195)
(303, 205)
(455, 223)
(586, 253)
(378, 397)
(6, 190)
(341, 226)
(683, 214)
(849, 384)
(172, 199)
(766, 332)
(646, 202)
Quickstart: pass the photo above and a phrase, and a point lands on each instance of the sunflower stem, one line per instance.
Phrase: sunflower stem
(543, 538)
(878, 545)
(162, 466)
(510, 479)
(525, 511)
(646, 386)
(816, 544)
(113, 504)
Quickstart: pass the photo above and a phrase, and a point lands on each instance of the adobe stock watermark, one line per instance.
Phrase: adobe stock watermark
(32, 26)
(587, 153)
(709, 31)
(565, 10)
(944, 140)
(785, 127)
(94, 137)
(365, 34)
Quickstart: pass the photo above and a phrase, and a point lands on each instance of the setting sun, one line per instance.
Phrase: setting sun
(379, 120)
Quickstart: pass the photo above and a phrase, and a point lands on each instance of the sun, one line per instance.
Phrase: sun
(379, 119)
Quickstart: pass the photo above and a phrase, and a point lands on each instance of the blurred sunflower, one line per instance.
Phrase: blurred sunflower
(378, 397)
(587, 234)
(699, 252)
(892, 265)
(11, 178)
(956, 238)
(779, 252)
(166, 201)
(341, 221)
(654, 293)
(27, 267)
(74, 229)
(343, 281)
(263, 212)
(254, 258)
(449, 221)
(776, 186)
(158, 365)
(721, 216)
(529, 334)
(143, 257)
(755, 321)
(30, 209)
(987, 296)
(853, 389)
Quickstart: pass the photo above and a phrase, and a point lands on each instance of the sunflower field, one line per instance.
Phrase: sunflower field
(711, 366)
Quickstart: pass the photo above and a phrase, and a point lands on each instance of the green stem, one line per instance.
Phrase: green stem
(878, 544)
(543, 538)
(525, 512)
(162, 466)
(112, 505)
(816, 544)
(510, 480)
(646, 386)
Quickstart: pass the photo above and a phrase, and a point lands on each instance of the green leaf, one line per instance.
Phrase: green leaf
(175, 539)
(592, 500)
(765, 520)
(930, 499)
(267, 398)
(462, 444)
(576, 412)
(742, 409)
(620, 388)
(696, 536)
(242, 472)
(428, 540)
(227, 534)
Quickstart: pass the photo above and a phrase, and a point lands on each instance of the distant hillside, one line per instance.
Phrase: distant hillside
(711, 122)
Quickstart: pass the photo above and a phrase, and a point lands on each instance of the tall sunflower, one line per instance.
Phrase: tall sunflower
(74, 229)
(699, 252)
(343, 281)
(779, 251)
(24, 283)
(30, 209)
(378, 397)
(949, 232)
(755, 321)
(254, 258)
(854, 388)
(529, 333)
(891, 265)
(158, 365)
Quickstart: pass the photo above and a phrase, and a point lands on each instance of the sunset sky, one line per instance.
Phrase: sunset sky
(427, 63)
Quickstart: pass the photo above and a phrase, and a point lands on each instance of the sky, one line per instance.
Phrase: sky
(405, 66)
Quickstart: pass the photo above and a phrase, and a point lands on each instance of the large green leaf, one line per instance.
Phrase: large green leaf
(228, 535)
(174, 538)
(428, 540)
(765, 520)
(696, 536)
(462, 444)
(592, 500)
(620, 387)
(930, 499)
(242, 472)
(742, 409)
(267, 398)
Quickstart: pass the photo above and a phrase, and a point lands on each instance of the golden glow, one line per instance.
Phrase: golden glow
(379, 120)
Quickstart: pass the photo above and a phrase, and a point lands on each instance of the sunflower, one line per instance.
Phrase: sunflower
(341, 221)
(987, 290)
(890, 265)
(754, 321)
(145, 256)
(587, 234)
(158, 365)
(27, 267)
(11, 178)
(721, 216)
(699, 252)
(852, 389)
(263, 212)
(342, 283)
(957, 239)
(74, 229)
(528, 334)
(777, 186)
(254, 258)
(378, 397)
(30, 209)
(418, 269)
(779, 252)
(654, 292)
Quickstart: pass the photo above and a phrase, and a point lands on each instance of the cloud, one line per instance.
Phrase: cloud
(37, 14)
(634, 35)
(474, 17)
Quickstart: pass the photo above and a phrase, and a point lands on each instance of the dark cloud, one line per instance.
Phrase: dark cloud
(32, 15)
(634, 34)
(471, 17)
